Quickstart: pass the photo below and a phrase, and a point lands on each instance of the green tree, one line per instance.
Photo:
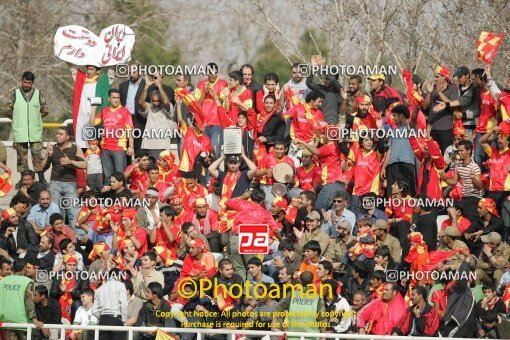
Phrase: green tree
(311, 43)
(270, 59)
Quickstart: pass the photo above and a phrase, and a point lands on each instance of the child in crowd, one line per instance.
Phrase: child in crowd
(94, 167)
(84, 315)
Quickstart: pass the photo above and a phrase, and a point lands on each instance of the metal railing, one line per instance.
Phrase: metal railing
(5, 120)
(200, 332)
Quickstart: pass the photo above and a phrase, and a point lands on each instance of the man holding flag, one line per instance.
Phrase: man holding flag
(88, 84)
(503, 96)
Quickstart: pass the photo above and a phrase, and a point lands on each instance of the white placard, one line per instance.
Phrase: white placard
(232, 141)
(79, 46)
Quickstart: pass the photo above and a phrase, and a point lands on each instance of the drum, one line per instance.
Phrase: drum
(279, 189)
(281, 170)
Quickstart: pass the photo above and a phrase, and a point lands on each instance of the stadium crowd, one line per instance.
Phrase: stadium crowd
(395, 203)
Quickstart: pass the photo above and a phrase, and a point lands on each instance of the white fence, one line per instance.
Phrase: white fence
(202, 332)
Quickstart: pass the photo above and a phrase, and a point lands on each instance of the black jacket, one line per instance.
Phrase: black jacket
(426, 325)
(332, 98)
(33, 193)
(46, 262)
(460, 315)
(50, 314)
(273, 129)
(351, 286)
(8, 244)
(147, 315)
(254, 87)
(80, 285)
(26, 234)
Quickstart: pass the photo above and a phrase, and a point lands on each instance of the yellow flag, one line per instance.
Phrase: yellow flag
(161, 335)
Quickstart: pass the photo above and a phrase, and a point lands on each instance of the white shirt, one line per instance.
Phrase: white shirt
(84, 317)
(94, 165)
(89, 91)
(111, 299)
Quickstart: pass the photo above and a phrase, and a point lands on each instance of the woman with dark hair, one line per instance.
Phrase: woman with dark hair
(270, 125)
(270, 87)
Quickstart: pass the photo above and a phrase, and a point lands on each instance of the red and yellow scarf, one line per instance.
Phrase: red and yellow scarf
(227, 216)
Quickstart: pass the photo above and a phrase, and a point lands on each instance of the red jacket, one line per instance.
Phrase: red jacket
(250, 213)
(192, 266)
(434, 164)
(382, 318)
(384, 98)
(399, 208)
(426, 325)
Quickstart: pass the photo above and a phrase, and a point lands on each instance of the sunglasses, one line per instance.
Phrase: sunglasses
(338, 201)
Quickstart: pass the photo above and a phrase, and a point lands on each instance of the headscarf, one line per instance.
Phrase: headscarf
(7, 213)
(129, 213)
(97, 250)
(199, 243)
(418, 246)
(444, 71)
(165, 254)
(490, 205)
(366, 243)
(458, 128)
(5, 183)
(168, 156)
(70, 258)
(280, 202)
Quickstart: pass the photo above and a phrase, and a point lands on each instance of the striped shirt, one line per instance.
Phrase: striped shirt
(465, 172)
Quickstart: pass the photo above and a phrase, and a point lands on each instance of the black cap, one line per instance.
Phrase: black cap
(416, 79)
(462, 71)
(233, 158)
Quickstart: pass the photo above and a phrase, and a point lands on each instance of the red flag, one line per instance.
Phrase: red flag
(193, 105)
(225, 301)
(5, 183)
(437, 257)
(291, 98)
(291, 214)
(487, 45)
(504, 99)
(162, 335)
(411, 95)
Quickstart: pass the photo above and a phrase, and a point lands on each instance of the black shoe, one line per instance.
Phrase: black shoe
(19, 185)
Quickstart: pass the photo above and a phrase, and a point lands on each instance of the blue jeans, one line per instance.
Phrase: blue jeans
(113, 161)
(64, 195)
(479, 155)
(356, 205)
(215, 134)
(325, 199)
